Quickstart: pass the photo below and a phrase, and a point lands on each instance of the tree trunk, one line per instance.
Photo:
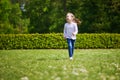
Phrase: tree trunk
(64, 5)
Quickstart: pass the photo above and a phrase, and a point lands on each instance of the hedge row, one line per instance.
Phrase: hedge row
(56, 41)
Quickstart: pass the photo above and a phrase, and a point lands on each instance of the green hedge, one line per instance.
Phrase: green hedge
(56, 41)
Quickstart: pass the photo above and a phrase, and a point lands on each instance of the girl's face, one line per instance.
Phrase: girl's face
(69, 17)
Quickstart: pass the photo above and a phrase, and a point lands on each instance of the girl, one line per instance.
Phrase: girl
(70, 31)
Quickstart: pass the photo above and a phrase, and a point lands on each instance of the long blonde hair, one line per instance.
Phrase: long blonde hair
(76, 20)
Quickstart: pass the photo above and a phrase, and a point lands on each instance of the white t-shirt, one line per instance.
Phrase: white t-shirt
(70, 29)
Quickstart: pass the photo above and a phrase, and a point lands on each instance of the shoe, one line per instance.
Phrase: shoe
(71, 58)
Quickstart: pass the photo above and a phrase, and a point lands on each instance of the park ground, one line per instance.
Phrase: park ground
(54, 64)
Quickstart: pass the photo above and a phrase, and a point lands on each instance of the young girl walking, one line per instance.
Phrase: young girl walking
(70, 31)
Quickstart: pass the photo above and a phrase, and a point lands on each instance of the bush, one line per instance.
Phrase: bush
(56, 41)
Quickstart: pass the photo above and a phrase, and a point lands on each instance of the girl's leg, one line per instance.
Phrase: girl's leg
(69, 41)
(73, 42)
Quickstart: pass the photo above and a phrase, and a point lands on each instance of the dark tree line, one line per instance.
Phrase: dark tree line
(45, 16)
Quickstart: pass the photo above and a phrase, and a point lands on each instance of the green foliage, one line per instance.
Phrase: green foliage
(45, 16)
(48, 16)
(100, 16)
(98, 41)
(97, 16)
(56, 41)
(11, 20)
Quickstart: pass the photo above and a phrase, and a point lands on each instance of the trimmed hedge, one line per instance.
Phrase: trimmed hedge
(56, 41)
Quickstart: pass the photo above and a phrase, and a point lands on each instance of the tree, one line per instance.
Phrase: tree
(45, 16)
(112, 10)
(48, 16)
(100, 16)
(11, 18)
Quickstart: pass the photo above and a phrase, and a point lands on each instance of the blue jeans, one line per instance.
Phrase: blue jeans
(71, 43)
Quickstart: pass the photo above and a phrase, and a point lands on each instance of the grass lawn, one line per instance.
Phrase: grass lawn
(49, 64)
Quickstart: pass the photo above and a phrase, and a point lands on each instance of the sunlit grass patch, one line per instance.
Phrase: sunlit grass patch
(88, 64)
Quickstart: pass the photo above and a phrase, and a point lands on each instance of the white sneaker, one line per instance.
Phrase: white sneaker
(71, 58)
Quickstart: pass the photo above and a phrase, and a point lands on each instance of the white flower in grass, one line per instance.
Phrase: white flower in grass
(57, 78)
(64, 72)
(46, 73)
(75, 73)
(112, 78)
(116, 65)
(24, 78)
(83, 70)
(50, 66)
(103, 77)
(53, 76)
(118, 69)
(64, 67)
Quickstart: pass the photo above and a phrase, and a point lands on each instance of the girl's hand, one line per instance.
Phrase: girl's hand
(73, 34)
(64, 37)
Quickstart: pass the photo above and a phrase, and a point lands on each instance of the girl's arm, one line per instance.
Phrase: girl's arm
(75, 29)
(65, 32)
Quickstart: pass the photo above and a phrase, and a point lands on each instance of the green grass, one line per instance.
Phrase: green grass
(88, 64)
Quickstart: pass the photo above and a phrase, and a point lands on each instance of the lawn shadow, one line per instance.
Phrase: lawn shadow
(45, 59)
(41, 59)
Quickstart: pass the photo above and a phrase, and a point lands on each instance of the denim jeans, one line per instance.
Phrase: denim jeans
(70, 46)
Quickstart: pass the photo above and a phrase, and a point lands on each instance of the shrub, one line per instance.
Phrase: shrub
(56, 41)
